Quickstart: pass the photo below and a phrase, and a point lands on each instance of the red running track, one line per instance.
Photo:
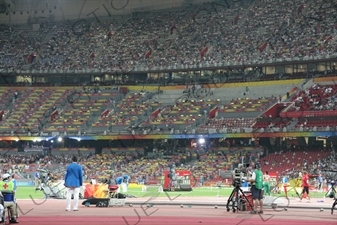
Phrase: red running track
(52, 212)
(155, 220)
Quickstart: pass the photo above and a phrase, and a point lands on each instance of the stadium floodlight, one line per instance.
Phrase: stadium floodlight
(59, 139)
(201, 141)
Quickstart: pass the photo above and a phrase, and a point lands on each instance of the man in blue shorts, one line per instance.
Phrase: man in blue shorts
(256, 189)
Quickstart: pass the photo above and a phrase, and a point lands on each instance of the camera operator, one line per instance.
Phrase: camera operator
(256, 189)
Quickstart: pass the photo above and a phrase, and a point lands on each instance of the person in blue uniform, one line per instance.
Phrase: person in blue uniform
(37, 180)
(73, 182)
(126, 180)
(14, 182)
(119, 181)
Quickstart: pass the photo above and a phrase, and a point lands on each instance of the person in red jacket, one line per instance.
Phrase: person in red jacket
(305, 185)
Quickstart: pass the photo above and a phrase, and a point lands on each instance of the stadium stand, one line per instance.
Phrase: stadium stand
(98, 109)
(281, 162)
(247, 104)
(232, 125)
(288, 35)
(248, 33)
(205, 166)
(318, 97)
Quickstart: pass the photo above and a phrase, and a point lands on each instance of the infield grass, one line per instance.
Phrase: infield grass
(29, 192)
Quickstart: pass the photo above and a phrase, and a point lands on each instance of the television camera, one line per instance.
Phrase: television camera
(46, 184)
(240, 175)
(237, 198)
(45, 176)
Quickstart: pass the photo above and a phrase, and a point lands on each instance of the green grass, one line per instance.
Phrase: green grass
(201, 192)
(196, 192)
(29, 192)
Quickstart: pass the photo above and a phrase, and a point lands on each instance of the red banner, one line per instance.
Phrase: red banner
(236, 20)
(300, 9)
(155, 113)
(148, 54)
(213, 112)
(263, 47)
(308, 114)
(329, 39)
(105, 113)
(31, 57)
(54, 115)
(203, 52)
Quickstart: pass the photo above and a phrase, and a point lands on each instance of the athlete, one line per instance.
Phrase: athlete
(305, 185)
(285, 183)
(320, 182)
(266, 183)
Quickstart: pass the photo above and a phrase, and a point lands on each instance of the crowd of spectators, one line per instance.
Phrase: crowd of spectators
(18, 42)
(248, 31)
(140, 168)
(205, 166)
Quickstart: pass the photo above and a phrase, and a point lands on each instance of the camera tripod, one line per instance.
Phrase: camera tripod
(234, 198)
(332, 194)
